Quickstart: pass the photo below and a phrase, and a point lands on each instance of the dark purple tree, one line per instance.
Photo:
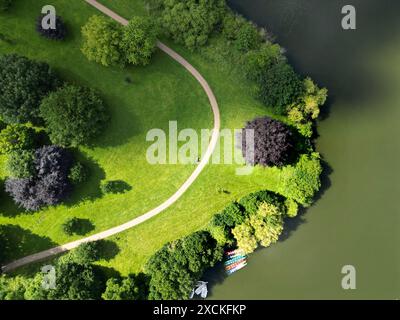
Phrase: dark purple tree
(273, 143)
(59, 33)
(50, 184)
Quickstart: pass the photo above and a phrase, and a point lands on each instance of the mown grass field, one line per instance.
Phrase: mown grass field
(161, 92)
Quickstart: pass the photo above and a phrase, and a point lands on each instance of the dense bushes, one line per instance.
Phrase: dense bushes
(16, 137)
(273, 143)
(175, 268)
(78, 173)
(59, 33)
(87, 252)
(279, 87)
(73, 115)
(244, 35)
(133, 287)
(23, 84)
(108, 43)
(190, 22)
(48, 185)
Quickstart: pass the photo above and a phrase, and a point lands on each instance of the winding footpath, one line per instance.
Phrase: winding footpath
(130, 224)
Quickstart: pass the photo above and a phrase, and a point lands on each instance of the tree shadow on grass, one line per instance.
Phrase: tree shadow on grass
(108, 249)
(18, 242)
(82, 227)
(90, 189)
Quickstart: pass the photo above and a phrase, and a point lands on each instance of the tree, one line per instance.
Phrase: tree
(273, 143)
(292, 208)
(244, 235)
(256, 62)
(16, 137)
(20, 164)
(133, 287)
(102, 41)
(87, 252)
(139, 40)
(23, 84)
(302, 181)
(73, 115)
(191, 22)
(264, 227)
(76, 282)
(267, 224)
(48, 185)
(242, 33)
(12, 288)
(175, 268)
(280, 87)
(59, 33)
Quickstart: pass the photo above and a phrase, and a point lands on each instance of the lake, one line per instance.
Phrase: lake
(355, 220)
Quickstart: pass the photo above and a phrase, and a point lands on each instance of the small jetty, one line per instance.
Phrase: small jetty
(235, 260)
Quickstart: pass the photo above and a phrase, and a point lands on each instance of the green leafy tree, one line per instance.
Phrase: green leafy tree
(133, 287)
(73, 115)
(20, 164)
(16, 137)
(244, 235)
(256, 62)
(102, 41)
(12, 288)
(175, 268)
(302, 181)
(23, 84)
(139, 40)
(86, 253)
(292, 208)
(191, 22)
(280, 87)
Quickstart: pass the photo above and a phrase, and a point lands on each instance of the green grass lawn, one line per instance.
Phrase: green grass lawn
(161, 92)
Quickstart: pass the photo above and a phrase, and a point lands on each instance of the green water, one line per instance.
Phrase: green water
(356, 219)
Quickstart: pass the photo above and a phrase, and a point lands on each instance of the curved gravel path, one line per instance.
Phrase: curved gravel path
(130, 224)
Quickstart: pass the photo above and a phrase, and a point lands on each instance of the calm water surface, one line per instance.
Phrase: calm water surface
(356, 218)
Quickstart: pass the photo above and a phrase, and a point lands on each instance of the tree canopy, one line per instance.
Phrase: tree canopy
(273, 143)
(23, 84)
(73, 115)
(139, 40)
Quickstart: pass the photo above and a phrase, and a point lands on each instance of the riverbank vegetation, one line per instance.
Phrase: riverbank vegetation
(256, 88)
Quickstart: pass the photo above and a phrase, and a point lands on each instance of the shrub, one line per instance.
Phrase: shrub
(280, 87)
(133, 287)
(233, 214)
(16, 137)
(73, 115)
(20, 164)
(78, 173)
(102, 41)
(302, 181)
(175, 268)
(52, 159)
(251, 202)
(273, 143)
(77, 226)
(114, 186)
(59, 33)
(23, 84)
(139, 41)
(191, 22)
